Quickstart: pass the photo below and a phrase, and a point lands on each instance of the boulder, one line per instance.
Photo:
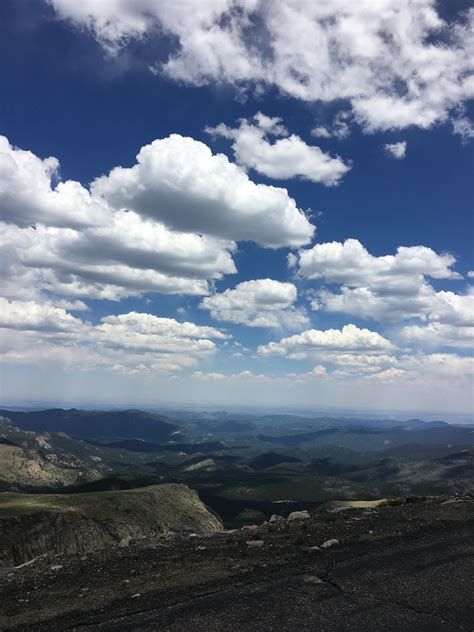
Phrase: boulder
(298, 515)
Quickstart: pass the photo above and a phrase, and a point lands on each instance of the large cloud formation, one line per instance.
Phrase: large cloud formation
(131, 342)
(391, 288)
(178, 181)
(168, 224)
(396, 62)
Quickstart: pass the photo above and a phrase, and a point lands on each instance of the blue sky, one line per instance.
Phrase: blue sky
(341, 280)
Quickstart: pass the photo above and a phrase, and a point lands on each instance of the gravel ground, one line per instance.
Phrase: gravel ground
(405, 567)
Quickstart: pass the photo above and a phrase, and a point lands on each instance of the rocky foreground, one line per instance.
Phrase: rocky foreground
(400, 567)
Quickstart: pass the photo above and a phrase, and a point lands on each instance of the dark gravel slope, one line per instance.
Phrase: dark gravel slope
(406, 567)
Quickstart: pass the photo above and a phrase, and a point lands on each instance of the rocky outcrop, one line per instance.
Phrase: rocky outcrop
(22, 468)
(35, 524)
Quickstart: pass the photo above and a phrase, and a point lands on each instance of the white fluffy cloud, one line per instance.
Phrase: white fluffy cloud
(438, 335)
(41, 317)
(179, 182)
(396, 150)
(349, 338)
(259, 303)
(439, 366)
(132, 342)
(287, 157)
(426, 304)
(397, 62)
(27, 195)
(94, 263)
(351, 264)
(188, 208)
(431, 370)
(389, 287)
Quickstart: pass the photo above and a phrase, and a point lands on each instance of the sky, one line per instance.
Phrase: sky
(237, 202)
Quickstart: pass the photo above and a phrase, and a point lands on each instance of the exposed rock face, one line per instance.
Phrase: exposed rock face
(20, 467)
(32, 525)
(206, 465)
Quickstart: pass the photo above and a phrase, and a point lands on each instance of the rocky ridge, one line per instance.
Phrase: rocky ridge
(33, 525)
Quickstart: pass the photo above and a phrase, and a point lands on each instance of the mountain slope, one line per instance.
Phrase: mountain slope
(21, 468)
(32, 525)
(133, 424)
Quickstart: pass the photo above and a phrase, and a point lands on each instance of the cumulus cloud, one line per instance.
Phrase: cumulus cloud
(438, 335)
(392, 288)
(350, 263)
(71, 263)
(396, 150)
(349, 338)
(27, 194)
(178, 181)
(287, 157)
(439, 366)
(396, 62)
(169, 224)
(132, 342)
(259, 303)
(31, 316)
(426, 305)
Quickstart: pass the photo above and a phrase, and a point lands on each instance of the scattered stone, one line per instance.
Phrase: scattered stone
(125, 581)
(201, 548)
(314, 548)
(136, 595)
(56, 567)
(298, 515)
(329, 543)
(275, 518)
(255, 544)
(125, 542)
(312, 579)
(250, 527)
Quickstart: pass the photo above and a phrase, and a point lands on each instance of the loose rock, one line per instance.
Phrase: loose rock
(298, 515)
